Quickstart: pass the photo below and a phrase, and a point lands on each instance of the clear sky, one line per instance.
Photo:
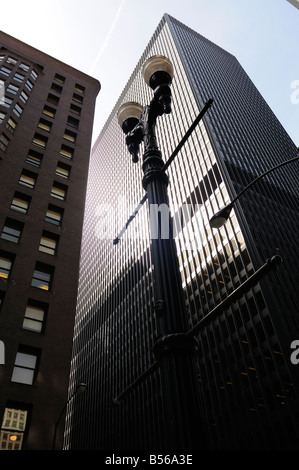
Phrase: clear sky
(106, 38)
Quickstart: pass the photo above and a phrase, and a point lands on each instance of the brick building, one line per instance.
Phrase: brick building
(46, 119)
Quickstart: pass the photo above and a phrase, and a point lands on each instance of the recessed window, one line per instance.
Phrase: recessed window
(42, 277)
(12, 89)
(20, 203)
(34, 158)
(11, 60)
(75, 109)
(13, 427)
(24, 67)
(24, 97)
(73, 122)
(66, 152)
(48, 243)
(77, 98)
(45, 125)
(54, 215)
(2, 117)
(34, 317)
(25, 367)
(18, 77)
(4, 141)
(29, 85)
(57, 88)
(33, 74)
(12, 230)
(6, 102)
(11, 125)
(63, 170)
(69, 135)
(59, 191)
(18, 110)
(28, 179)
(6, 262)
(53, 99)
(5, 71)
(59, 78)
(79, 88)
(40, 140)
(48, 111)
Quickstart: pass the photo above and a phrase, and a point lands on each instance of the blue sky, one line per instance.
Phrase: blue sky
(105, 39)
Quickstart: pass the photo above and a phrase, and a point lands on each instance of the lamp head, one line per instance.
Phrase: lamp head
(221, 217)
(157, 70)
(128, 117)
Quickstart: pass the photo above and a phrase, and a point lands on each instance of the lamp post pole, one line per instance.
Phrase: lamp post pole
(174, 350)
(79, 389)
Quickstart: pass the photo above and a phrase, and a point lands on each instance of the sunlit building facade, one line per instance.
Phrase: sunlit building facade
(46, 119)
(246, 380)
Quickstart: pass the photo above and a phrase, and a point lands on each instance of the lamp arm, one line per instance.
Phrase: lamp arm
(262, 175)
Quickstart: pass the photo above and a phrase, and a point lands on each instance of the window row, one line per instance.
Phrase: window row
(12, 231)
(42, 277)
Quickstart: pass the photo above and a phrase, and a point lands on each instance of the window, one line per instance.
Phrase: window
(59, 191)
(11, 60)
(20, 203)
(5, 71)
(79, 88)
(77, 98)
(29, 85)
(48, 111)
(40, 140)
(53, 99)
(18, 110)
(56, 88)
(11, 125)
(24, 67)
(18, 77)
(24, 97)
(73, 122)
(12, 230)
(34, 158)
(69, 135)
(54, 215)
(42, 276)
(75, 109)
(2, 117)
(48, 243)
(12, 89)
(13, 428)
(28, 179)
(66, 152)
(45, 125)
(6, 261)
(59, 78)
(25, 367)
(4, 141)
(34, 316)
(6, 102)
(63, 170)
(33, 74)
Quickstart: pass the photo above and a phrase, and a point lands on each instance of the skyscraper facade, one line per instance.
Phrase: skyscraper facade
(246, 380)
(46, 119)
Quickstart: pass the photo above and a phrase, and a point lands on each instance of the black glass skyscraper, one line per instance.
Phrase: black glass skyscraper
(246, 380)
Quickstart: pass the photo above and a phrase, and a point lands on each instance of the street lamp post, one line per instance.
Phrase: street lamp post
(79, 389)
(174, 350)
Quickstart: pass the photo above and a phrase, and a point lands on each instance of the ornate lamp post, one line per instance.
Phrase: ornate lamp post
(174, 350)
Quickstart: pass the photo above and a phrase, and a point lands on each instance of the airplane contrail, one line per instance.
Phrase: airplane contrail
(107, 37)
